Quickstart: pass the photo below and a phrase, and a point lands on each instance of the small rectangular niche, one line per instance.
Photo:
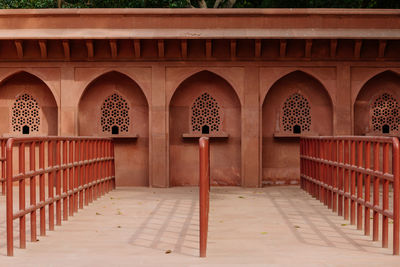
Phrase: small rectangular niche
(198, 135)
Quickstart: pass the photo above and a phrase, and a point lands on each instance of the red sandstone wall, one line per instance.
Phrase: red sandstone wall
(249, 60)
(131, 153)
(386, 82)
(25, 83)
(225, 152)
(280, 156)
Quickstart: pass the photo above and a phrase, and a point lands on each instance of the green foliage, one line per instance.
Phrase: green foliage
(6, 4)
(28, 4)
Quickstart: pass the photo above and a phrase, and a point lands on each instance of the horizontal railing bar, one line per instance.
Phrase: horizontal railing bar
(379, 139)
(54, 168)
(84, 164)
(336, 169)
(28, 140)
(63, 195)
(357, 169)
(349, 196)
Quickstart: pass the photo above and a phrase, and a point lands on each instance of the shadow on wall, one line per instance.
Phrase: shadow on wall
(114, 106)
(27, 107)
(205, 99)
(377, 109)
(296, 105)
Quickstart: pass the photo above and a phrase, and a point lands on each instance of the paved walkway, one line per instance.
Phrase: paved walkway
(274, 226)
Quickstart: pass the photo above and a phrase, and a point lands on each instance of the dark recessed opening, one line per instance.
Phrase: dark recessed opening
(385, 129)
(25, 129)
(296, 129)
(115, 130)
(205, 129)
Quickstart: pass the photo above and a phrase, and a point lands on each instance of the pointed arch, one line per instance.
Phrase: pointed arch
(367, 78)
(197, 72)
(114, 105)
(296, 104)
(102, 74)
(36, 75)
(370, 116)
(190, 107)
(305, 74)
(32, 108)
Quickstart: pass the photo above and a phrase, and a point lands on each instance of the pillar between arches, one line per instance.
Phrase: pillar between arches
(68, 116)
(251, 157)
(158, 130)
(343, 115)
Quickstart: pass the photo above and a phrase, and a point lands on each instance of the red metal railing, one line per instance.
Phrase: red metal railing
(339, 171)
(204, 194)
(3, 165)
(78, 171)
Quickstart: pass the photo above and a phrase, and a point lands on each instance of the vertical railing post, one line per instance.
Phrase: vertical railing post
(96, 168)
(353, 184)
(396, 197)
(22, 219)
(58, 183)
(32, 195)
(81, 173)
(359, 185)
(100, 168)
(86, 182)
(204, 191)
(103, 173)
(113, 163)
(340, 179)
(3, 166)
(90, 175)
(69, 174)
(106, 166)
(301, 164)
(321, 171)
(375, 223)
(346, 180)
(328, 151)
(385, 198)
(334, 176)
(71, 178)
(315, 169)
(65, 180)
(51, 185)
(367, 191)
(42, 190)
(9, 198)
(342, 168)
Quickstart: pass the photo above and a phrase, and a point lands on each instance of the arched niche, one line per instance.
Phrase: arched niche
(386, 85)
(27, 106)
(296, 105)
(113, 105)
(225, 152)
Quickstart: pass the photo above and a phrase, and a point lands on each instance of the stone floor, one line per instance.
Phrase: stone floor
(273, 226)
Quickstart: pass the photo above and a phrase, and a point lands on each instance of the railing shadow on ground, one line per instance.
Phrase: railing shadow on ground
(313, 224)
(172, 226)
